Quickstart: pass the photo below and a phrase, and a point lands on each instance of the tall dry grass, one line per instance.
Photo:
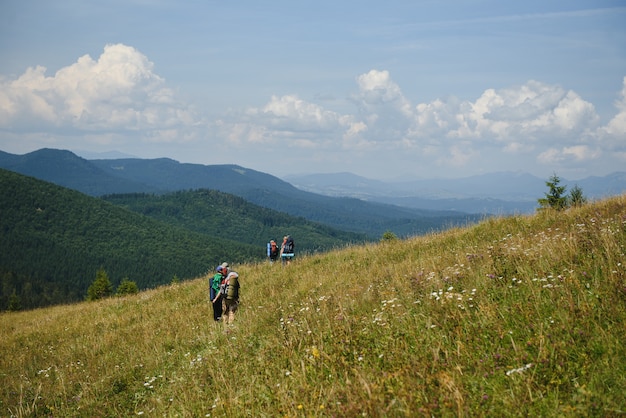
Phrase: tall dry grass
(518, 316)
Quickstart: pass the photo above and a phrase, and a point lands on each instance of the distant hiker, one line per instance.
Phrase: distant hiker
(287, 249)
(272, 251)
(214, 286)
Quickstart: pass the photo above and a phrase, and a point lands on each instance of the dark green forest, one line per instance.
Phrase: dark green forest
(54, 240)
(163, 175)
(220, 214)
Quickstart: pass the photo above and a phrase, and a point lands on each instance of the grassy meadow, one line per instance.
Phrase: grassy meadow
(516, 316)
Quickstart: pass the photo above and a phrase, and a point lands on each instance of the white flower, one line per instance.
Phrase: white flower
(519, 370)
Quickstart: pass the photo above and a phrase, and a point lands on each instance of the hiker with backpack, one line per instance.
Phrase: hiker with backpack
(287, 250)
(215, 283)
(229, 293)
(272, 251)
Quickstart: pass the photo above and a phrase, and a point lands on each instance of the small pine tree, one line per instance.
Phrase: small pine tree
(126, 287)
(389, 236)
(15, 304)
(576, 197)
(101, 286)
(555, 198)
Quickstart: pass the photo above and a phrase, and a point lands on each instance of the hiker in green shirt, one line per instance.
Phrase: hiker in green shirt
(214, 287)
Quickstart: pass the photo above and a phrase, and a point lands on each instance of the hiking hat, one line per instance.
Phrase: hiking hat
(219, 269)
(225, 265)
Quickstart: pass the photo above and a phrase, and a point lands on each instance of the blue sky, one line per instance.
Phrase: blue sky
(386, 90)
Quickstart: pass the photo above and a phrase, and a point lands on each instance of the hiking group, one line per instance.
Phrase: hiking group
(224, 284)
(224, 293)
(286, 252)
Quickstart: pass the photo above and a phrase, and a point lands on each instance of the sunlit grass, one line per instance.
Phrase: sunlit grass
(519, 316)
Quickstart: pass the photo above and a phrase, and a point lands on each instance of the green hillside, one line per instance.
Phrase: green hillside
(219, 214)
(54, 240)
(520, 316)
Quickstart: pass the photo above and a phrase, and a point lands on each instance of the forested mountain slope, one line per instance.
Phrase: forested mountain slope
(228, 216)
(54, 239)
(162, 175)
(349, 214)
(66, 169)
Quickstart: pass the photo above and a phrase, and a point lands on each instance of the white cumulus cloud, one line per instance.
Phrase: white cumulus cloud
(118, 92)
(542, 122)
(617, 126)
(533, 111)
(118, 98)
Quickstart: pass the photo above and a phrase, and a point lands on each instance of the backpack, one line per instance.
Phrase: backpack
(231, 288)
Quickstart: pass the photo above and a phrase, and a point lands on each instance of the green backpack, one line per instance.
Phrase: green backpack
(232, 286)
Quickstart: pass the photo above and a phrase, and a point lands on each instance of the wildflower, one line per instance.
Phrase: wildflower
(520, 369)
(315, 352)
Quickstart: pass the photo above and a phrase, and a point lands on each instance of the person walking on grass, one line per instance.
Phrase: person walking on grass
(272, 251)
(214, 289)
(229, 293)
(287, 250)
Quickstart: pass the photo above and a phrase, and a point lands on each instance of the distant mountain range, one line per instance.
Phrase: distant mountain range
(494, 193)
(132, 175)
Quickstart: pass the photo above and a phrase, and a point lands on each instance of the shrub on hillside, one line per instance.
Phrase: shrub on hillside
(127, 287)
(101, 286)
